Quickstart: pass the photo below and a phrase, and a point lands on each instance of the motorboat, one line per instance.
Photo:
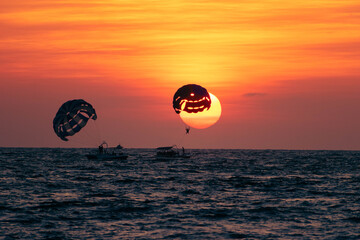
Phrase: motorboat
(171, 152)
(106, 153)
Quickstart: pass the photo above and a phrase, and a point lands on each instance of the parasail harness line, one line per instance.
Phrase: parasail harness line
(182, 137)
(97, 132)
(93, 136)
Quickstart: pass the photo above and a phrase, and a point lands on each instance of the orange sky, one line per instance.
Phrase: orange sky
(286, 72)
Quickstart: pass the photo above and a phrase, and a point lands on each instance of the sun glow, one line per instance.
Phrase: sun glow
(203, 119)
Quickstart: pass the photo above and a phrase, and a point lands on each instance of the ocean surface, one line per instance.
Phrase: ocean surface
(216, 194)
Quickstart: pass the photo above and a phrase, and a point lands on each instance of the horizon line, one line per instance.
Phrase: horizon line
(244, 149)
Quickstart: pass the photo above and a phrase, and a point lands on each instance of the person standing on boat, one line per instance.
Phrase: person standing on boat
(101, 149)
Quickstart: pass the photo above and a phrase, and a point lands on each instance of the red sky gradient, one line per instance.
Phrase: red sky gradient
(286, 72)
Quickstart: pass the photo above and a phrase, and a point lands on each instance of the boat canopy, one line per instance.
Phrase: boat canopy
(165, 148)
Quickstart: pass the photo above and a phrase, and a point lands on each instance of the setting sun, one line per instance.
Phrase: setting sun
(206, 118)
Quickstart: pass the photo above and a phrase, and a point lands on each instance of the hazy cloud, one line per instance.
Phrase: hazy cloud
(254, 94)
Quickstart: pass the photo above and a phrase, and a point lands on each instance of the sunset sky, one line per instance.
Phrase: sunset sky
(287, 73)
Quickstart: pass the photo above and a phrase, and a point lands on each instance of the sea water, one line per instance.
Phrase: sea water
(216, 194)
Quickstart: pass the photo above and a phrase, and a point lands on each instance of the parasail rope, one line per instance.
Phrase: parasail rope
(98, 132)
(181, 140)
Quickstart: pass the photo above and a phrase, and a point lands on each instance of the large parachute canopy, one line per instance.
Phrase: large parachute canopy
(191, 98)
(72, 117)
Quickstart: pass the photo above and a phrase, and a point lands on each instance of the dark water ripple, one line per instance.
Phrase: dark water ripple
(217, 194)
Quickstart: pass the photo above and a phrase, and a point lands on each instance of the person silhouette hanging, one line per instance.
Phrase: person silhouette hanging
(187, 129)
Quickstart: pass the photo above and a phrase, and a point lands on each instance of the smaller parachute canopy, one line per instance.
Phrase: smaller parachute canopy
(71, 117)
(191, 98)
